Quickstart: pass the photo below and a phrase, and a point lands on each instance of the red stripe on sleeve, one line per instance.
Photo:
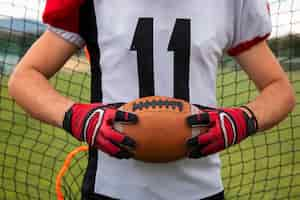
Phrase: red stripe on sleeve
(246, 45)
(63, 14)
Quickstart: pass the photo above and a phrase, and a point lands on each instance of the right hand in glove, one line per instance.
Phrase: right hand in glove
(93, 123)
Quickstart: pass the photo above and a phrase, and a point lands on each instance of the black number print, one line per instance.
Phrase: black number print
(180, 44)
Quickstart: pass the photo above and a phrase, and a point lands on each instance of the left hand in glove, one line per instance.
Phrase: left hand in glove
(227, 126)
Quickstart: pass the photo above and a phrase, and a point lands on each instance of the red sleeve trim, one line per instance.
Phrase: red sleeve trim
(246, 45)
(63, 14)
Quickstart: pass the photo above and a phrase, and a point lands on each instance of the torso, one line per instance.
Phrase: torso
(160, 48)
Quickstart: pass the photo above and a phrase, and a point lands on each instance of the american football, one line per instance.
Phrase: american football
(161, 131)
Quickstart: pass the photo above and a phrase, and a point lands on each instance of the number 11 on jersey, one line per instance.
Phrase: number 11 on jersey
(180, 44)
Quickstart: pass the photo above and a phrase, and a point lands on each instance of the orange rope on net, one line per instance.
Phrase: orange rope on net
(87, 54)
(64, 169)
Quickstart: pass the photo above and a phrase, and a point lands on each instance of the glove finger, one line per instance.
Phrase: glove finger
(201, 119)
(195, 153)
(209, 137)
(212, 148)
(202, 139)
(112, 149)
(205, 108)
(124, 154)
(119, 138)
(192, 142)
(205, 150)
(125, 117)
(115, 105)
(114, 115)
(106, 146)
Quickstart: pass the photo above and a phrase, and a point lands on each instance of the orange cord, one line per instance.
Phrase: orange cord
(64, 168)
(87, 54)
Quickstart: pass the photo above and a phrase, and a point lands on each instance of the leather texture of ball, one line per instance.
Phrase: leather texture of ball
(161, 131)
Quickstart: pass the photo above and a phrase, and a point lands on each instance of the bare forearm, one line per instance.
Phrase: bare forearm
(33, 92)
(273, 104)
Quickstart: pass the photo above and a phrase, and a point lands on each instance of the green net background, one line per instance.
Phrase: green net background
(266, 166)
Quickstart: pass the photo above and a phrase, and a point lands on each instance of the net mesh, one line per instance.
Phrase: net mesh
(266, 166)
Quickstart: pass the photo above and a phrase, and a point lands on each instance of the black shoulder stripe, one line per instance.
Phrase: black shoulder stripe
(89, 32)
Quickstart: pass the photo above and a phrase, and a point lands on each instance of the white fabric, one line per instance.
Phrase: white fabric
(252, 20)
(184, 179)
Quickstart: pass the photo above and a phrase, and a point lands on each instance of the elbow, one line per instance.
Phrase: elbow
(16, 82)
(12, 85)
(290, 99)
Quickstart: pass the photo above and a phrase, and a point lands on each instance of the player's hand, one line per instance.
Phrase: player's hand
(226, 127)
(93, 123)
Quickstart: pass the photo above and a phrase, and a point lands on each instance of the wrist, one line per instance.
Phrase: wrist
(66, 123)
(66, 105)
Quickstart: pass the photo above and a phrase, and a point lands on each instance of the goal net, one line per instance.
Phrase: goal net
(266, 166)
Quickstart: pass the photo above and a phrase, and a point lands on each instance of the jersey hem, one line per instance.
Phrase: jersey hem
(95, 196)
(117, 192)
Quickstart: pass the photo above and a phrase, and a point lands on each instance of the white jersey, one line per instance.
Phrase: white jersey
(160, 47)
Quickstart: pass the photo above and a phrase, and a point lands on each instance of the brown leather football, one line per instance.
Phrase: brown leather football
(162, 130)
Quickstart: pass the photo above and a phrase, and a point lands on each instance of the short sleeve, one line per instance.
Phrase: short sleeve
(71, 37)
(253, 25)
(62, 18)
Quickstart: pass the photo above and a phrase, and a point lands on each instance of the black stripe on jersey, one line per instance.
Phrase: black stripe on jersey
(88, 30)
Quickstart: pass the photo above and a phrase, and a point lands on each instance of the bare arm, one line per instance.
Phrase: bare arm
(276, 98)
(29, 85)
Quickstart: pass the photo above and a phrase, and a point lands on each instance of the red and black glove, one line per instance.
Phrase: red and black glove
(226, 127)
(93, 123)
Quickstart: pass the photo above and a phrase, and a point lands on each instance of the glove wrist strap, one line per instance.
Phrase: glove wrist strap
(252, 117)
(67, 120)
